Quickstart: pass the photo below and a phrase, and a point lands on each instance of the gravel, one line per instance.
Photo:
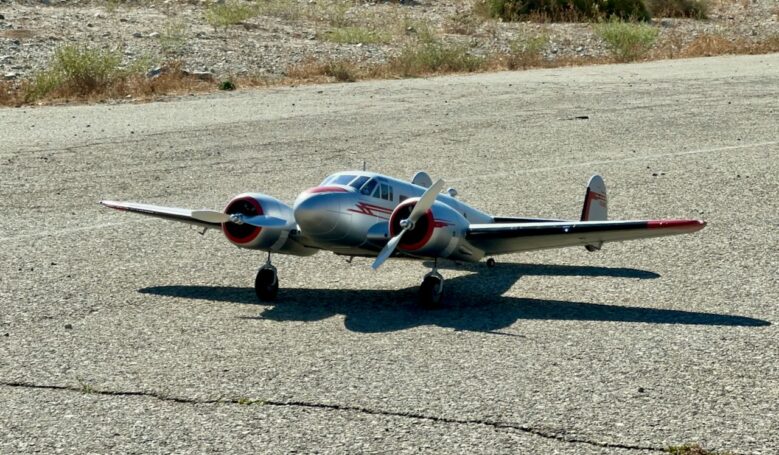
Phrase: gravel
(267, 46)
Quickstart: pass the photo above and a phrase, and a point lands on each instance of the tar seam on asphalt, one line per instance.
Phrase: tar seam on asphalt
(335, 407)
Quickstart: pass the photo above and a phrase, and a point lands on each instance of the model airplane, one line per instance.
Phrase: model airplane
(360, 213)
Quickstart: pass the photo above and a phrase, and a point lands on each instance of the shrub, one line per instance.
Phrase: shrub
(342, 71)
(434, 57)
(228, 13)
(627, 41)
(526, 52)
(75, 70)
(695, 9)
(355, 35)
(227, 85)
(565, 10)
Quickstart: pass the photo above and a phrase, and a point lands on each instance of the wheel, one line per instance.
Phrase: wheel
(430, 291)
(266, 285)
(491, 262)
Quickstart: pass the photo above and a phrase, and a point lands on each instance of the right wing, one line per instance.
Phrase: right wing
(501, 238)
(168, 213)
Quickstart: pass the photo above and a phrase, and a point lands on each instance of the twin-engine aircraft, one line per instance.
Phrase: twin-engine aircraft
(360, 213)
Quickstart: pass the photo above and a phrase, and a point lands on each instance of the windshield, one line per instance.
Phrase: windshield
(368, 187)
(340, 179)
(358, 182)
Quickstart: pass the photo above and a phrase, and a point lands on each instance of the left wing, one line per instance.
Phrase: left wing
(500, 238)
(168, 213)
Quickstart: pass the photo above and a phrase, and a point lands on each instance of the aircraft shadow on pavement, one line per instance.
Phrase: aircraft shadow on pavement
(473, 302)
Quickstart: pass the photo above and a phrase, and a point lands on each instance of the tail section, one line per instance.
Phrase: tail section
(595, 205)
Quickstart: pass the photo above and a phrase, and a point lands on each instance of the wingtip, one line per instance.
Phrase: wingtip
(687, 225)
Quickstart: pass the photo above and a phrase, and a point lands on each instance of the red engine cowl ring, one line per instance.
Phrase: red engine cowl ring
(242, 233)
(417, 237)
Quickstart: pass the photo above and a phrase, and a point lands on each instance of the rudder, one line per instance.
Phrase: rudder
(595, 205)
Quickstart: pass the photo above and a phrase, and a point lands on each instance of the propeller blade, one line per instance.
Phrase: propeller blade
(210, 216)
(264, 221)
(421, 207)
(426, 201)
(388, 249)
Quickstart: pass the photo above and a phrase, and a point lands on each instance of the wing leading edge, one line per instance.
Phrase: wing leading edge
(501, 238)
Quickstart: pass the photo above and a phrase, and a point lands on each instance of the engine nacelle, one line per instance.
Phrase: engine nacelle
(439, 233)
(262, 238)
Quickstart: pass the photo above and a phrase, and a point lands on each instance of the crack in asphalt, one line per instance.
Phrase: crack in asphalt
(559, 436)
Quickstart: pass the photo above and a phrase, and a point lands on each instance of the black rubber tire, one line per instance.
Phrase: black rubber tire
(428, 297)
(266, 285)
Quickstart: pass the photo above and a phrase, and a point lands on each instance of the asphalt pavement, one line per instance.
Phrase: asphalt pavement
(128, 334)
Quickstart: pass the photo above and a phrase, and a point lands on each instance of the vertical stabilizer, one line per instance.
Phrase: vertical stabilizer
(595, 205)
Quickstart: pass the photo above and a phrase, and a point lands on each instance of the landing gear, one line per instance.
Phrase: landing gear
(266, 285)
(432, 289)
(491, 262)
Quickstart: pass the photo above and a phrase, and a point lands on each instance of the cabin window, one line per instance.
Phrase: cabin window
(383, 191)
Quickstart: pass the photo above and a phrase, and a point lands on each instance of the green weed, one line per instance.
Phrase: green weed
(173, 37)
(228, 13)
(434, 57)
(526, 52)
(627, 41)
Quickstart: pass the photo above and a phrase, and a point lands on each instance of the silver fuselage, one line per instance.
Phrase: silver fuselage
(348, 219)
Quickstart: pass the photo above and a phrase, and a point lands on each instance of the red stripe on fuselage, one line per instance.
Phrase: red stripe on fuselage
(364, 208)
(327, 189)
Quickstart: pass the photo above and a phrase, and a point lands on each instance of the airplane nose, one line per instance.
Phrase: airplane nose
(316, 214)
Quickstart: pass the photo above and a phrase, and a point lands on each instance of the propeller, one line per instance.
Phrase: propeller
(212, 216)
(422, 206)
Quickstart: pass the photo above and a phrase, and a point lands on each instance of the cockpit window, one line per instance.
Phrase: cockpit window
(342, 180)
(358, 182)
(368, 187)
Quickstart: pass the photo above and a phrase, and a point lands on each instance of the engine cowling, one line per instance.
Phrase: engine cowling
(262, 238)
(438, 233)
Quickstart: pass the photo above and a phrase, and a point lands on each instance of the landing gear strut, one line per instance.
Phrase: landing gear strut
(266, 285)
(432, 288)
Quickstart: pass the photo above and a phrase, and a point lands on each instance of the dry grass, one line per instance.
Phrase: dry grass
(710, 45)
(88, 75)
(171, 81)
(324, 71)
